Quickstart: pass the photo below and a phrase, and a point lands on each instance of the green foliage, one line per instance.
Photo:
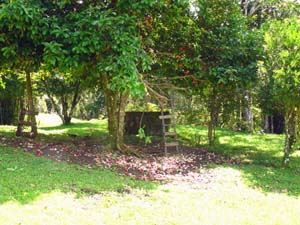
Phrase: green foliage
(10, 94)
(281, 76)
(259, 12)
(171, 38)
(21, 30)
(283, 60)
(91, 104)
(101, 40)
(142, 135)
(229, 50)
(13, 86)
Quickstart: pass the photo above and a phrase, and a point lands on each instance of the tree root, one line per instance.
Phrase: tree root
(129, 151)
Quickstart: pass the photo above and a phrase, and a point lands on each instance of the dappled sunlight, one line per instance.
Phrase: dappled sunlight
(252, 148)
(33, 176)
(78, 127)
(269, 179)
(9, 131)
(227, 199)
(45, 120)
(239, 179)
(52, 208)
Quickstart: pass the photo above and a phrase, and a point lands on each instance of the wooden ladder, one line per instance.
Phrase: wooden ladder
(169, 128)
(29, 122)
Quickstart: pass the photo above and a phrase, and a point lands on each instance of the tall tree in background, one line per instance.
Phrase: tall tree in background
(228, 53)
(63, 93)
(257, 13)
(21, 29)
(282, 76)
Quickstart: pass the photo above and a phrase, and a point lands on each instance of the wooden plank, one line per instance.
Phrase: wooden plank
(170, 133)
(166, 117)
(171, 144)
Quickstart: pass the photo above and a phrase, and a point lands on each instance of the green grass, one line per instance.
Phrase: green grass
(34, 190)
(25, 176)
(50, 128)
(260, 149)
(226, 200)
(260, 156)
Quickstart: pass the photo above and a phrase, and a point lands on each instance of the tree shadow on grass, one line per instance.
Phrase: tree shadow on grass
(263, 169)
(261, 162)
(70, 132)
(270, 179)
(24, 177)
(260, 158)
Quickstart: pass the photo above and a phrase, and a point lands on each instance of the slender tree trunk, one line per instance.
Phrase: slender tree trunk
(290, 135)
(247, 113)
(66, 112)
(214, 116)
(210, 130)
(266, 124)
(238, 111)
(52, 100)
(31, 107)
(76, 99)
(272, 124)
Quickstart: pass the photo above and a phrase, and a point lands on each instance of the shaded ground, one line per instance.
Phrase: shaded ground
(188, 164)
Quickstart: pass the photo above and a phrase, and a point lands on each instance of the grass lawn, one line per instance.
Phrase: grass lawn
(36, 190)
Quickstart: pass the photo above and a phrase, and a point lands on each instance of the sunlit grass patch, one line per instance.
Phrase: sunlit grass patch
(23, 177)
(9, 131)
(253, 148)
(226, 200)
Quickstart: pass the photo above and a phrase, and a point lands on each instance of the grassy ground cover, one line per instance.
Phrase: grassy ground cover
(36, 190)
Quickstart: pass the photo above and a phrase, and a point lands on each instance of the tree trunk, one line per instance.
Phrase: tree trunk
(247, 113)
(266, 124)
(116, 102)
(290, 135)
(272, 124)
(76, 99)
(65, 113)
(214, 116)
(238, 111)
(210, 131)
(31, 107)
